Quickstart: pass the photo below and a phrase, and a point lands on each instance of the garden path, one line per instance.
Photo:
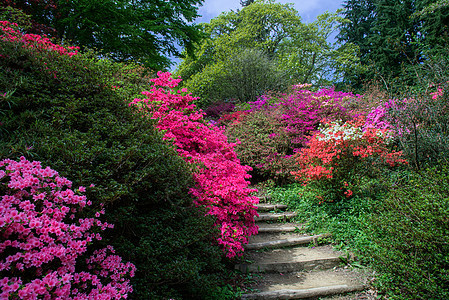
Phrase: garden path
(287, 264)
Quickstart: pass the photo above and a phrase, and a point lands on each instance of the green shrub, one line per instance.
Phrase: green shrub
(409, 229)
(242, 77)
(72, 114)
(265, 145)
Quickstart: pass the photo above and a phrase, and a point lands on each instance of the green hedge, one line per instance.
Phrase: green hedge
(68, 113)
(409, 231)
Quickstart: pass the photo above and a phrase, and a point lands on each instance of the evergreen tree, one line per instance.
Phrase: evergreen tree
(394, 36)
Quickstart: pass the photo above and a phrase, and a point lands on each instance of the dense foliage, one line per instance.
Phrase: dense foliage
(145, 31)
(264, 46)
(339, 154)
(372, 168)
(393, 219)
(221, 184)
(44, 243)
(277, 126)
(394, 37)
(72, 114)
(409, 233)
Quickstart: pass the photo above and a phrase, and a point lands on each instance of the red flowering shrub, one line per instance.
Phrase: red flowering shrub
(43, 243)
(232, 118)
(337, 154)
(221, 184)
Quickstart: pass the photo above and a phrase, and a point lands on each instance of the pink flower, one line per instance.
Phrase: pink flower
(42, 247)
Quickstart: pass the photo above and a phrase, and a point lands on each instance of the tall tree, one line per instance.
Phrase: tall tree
(394, 36)
(300, 52)
(144, 30)
(435, 24)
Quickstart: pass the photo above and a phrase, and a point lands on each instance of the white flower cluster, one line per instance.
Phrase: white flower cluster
(330, 131)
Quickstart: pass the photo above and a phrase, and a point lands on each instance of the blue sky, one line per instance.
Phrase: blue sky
(308, 9)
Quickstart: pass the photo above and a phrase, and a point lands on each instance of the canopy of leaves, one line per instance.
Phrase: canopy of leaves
(300, 51)
(146, 30)
(394, 35)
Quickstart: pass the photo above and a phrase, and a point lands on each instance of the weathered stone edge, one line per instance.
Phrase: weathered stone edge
(278, 229)
(268, 207)
(285, 242)
(273, 217)
(305, 293)
(294, 266)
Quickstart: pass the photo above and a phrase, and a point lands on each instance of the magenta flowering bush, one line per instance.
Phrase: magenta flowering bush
(305, 109)
(377, 118)
(43, 244)
(221, 181)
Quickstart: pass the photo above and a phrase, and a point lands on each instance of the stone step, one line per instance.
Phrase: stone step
(270, 241)
(278, 227)
(268, 207)
(307, 284)
(275, 217)
(312, 293)
(290, 260)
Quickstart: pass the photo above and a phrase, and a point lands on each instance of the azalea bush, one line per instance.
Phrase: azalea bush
(276, 127)
(231, 118)
(419, 123)
(422, 123)
(304, 110)
(339, 154)
(44, 244)
(217, 109)
(221, 181)
(10, 32)
(264, 145)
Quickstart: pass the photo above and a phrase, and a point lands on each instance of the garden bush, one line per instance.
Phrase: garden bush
(276, 127)
(44, 248)
(423, 120)
(409, 229)
(221, 181)
(417, 118)
(72, 114)
(265, 145)
(340, 155)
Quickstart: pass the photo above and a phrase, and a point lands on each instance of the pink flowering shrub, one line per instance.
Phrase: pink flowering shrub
(43, 243)
(339, 154)
(10, 32)
(221, 184)
(277, 127)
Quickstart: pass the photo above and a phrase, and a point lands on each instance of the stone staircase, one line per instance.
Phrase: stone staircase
(292, 265)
